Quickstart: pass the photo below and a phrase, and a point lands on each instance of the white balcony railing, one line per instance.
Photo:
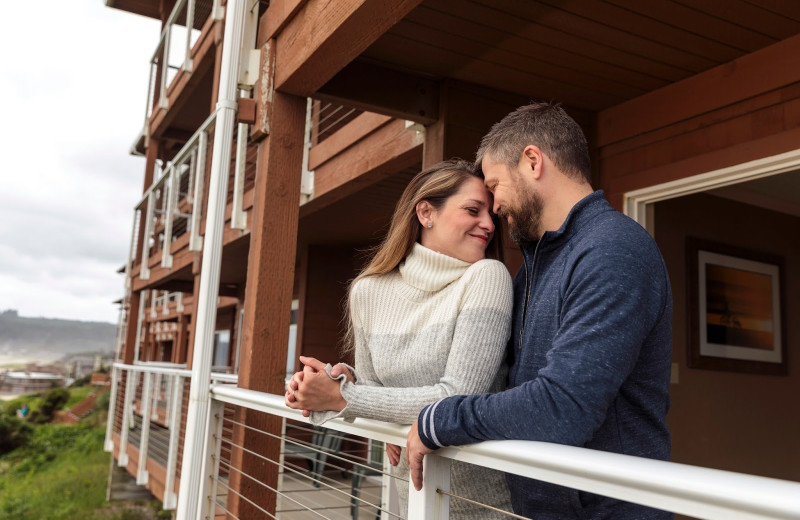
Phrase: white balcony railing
(162, 300)
(153, 385)
(174, 50)
(689, 490)
(172, 204)
(159, 389)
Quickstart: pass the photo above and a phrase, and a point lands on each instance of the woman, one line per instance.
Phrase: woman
(429, 317)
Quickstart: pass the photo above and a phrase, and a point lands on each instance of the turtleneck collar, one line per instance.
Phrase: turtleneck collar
(426, 270)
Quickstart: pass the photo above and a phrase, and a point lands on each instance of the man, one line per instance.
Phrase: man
(590, 350)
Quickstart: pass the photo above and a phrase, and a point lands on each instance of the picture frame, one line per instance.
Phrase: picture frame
(735, 307)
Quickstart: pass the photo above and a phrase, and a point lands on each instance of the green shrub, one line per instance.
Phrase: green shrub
(13, 433)
(83, 381)
(53, 400)
(102, 401)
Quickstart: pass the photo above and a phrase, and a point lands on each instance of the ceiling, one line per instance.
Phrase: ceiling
(779, 193)
(587, 54)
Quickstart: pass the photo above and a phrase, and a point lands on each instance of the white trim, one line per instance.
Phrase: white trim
(637, 202)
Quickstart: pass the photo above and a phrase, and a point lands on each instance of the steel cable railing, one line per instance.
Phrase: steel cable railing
(301, 490)
(688, 490)
(693, 491)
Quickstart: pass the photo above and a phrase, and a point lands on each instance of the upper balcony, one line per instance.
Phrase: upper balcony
(180, 83)
(342, 144)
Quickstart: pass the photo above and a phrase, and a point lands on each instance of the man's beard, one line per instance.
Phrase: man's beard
(526, 220)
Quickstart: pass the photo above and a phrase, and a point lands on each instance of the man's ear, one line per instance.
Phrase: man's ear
(424, 212)
(533, 160)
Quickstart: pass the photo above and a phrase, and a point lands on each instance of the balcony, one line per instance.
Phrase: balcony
(240, 468)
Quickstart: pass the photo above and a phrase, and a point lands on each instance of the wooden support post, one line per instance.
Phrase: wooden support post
(268, 298)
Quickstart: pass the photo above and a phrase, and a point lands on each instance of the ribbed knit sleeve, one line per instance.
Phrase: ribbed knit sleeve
(470, 345)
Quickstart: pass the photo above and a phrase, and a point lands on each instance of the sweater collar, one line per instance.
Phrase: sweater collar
(429, 271)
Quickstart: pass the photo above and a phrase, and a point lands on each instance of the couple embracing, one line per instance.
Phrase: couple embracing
(576, 350)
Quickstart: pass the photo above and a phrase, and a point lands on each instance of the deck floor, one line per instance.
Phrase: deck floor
(300, 500)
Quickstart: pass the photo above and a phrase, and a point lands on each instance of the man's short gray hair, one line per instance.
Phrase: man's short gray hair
(545, 125)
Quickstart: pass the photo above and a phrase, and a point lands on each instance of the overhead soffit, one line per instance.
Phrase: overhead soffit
(148, 8)
(585, 53)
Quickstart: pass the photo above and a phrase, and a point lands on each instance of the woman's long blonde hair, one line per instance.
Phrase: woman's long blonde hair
(435, 185)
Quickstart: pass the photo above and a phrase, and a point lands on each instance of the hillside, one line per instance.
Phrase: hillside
(46, 339)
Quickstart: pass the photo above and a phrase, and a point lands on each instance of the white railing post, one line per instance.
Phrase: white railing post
(174, 421)
(153, 304)
(163, 100)
(155, 397)
(216, 417)
(132, 249)
(171, 187)
(179, 304)
(139, 324)
(219, 12)
(149, 101)
(307, 177)
(144, 438)
(238, 216)
(108, 445)
(428, 503)
(187, 61)
(127, 402)
(144, 271)
(195, 240)
(190, 497)
(192, 165)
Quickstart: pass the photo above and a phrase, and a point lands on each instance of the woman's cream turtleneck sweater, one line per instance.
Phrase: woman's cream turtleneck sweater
(432, 328)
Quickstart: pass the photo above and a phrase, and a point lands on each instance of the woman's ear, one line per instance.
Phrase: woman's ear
(424, 213)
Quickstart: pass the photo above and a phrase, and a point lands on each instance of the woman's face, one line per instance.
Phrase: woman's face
(463, 226)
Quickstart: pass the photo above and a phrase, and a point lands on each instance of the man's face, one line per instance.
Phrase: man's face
(515, 200)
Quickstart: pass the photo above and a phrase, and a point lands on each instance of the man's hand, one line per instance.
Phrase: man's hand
(415, 452)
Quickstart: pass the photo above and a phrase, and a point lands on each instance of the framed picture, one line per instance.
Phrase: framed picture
(735, 309)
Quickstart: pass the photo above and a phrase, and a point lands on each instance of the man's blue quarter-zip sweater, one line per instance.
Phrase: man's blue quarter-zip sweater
(590, 357)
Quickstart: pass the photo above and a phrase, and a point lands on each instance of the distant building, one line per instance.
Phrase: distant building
(29, 382)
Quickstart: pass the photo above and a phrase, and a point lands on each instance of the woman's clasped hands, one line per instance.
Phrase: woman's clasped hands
(313, 390)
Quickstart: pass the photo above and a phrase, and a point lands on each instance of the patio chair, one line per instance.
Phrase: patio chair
(324, 441)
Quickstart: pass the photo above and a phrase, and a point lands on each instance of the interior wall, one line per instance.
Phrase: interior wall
(328, 271)
(725, 420)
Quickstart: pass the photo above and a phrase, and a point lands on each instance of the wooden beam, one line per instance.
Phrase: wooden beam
(184, 286)
(325, 36)
(345, 137)
(385, 91)
(755, 73)
(390, 149)
(275, 18)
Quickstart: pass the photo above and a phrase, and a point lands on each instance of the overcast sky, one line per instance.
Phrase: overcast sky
(73, 83)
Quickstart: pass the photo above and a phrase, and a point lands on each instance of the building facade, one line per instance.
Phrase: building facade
(279, 135)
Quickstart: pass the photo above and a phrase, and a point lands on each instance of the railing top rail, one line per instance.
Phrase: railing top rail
(224, 378)
(156, 368)
(690, 490)
(274, 404)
